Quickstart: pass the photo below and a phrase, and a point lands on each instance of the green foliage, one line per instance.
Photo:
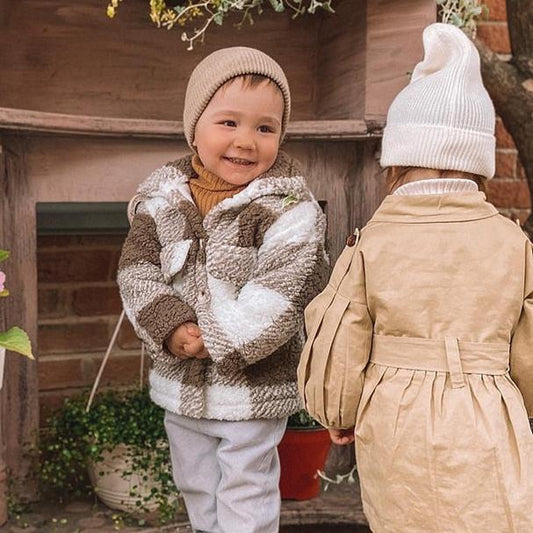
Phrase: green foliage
(462, 13)
(170, 14)
(302, 419)
(75, 437)
(15, 339)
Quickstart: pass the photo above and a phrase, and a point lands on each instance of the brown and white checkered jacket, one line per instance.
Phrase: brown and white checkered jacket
(244, 273)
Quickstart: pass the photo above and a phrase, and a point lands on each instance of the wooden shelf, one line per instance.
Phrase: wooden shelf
(26, 121)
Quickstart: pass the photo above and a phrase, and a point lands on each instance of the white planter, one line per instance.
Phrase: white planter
(114, 489)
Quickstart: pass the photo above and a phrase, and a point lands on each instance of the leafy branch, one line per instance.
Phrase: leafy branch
(215, 11)
(462, 13)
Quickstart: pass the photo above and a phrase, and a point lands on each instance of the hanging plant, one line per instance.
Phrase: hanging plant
(171, 14)
(179, 13)
(462, 13)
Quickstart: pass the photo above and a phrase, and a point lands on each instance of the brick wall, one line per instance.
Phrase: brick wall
(509, 189)
(78, 308)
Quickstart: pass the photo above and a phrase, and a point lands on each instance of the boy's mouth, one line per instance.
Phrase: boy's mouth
(239, 161)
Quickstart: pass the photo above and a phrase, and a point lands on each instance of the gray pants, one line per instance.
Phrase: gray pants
(227, 472)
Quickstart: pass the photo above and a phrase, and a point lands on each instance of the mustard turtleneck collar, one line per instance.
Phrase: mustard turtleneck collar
(208, 189)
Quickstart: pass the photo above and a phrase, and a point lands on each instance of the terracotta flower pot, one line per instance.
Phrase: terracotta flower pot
(302, 452)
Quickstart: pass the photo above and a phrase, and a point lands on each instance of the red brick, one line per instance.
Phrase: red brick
(505, 164)
(503, 137)
(52, 303)
(496, 36)
(509, 194)
(127, 339)
(69, 266)
(60, 373)
(51, 401)
(521, 172)
(520, 214)
(114, 241)
(119, 370)
(73, 338)
(497, 10)
(114, 266)
(93, 301)
(57, 241)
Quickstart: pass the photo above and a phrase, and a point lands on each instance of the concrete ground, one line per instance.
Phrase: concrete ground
(336, 510)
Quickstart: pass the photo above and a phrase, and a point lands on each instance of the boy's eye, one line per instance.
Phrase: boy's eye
(266, 129)
(229, 123)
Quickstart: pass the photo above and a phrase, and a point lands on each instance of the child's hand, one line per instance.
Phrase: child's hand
(342, 436)
(196, 347)
(186, 341)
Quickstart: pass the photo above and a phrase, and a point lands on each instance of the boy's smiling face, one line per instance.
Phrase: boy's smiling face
(237, 136)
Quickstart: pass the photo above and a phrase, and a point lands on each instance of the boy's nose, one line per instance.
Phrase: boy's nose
(244, 140)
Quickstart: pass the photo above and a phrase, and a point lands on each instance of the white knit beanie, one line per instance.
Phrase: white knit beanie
(218, 68)
(444, 118)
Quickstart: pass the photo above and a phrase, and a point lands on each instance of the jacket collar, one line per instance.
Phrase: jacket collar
(427, 208)
(283, 179)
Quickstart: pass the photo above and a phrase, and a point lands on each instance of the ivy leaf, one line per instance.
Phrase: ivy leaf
(16, 340)
(277, 5)
(4, 254)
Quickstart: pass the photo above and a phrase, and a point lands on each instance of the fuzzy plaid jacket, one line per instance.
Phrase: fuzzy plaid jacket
(244, 273)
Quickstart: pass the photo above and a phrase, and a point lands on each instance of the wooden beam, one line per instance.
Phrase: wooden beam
(59, 123)
(20, 420)
(23, 120)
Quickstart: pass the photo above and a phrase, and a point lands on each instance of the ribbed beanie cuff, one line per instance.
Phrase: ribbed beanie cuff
(218, 68)
(440, 147)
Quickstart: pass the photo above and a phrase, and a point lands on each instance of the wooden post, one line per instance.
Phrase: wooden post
(19, 397)
(3, 473)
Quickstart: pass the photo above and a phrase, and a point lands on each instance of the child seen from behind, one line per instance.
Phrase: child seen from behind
(423, 339)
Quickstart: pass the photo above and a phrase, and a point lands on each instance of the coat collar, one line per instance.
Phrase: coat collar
(283, 179)
(434, 208)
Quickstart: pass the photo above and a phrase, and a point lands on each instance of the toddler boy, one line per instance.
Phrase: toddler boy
(225, 250)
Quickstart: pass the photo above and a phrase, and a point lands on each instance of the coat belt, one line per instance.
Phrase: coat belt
(448, 355)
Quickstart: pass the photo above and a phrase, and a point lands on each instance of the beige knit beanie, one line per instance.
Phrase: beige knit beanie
(444, 118)
(218, 68)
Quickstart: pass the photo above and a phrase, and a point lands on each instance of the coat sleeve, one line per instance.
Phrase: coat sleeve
(522, 341)
(339, 326)
(151, 305)
(243, 327)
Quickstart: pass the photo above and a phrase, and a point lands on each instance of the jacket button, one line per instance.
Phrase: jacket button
(351, 240)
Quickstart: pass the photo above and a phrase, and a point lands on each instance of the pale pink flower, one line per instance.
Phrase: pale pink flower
(2, 280)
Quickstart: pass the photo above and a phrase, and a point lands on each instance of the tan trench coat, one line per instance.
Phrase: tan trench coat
(423, 339)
